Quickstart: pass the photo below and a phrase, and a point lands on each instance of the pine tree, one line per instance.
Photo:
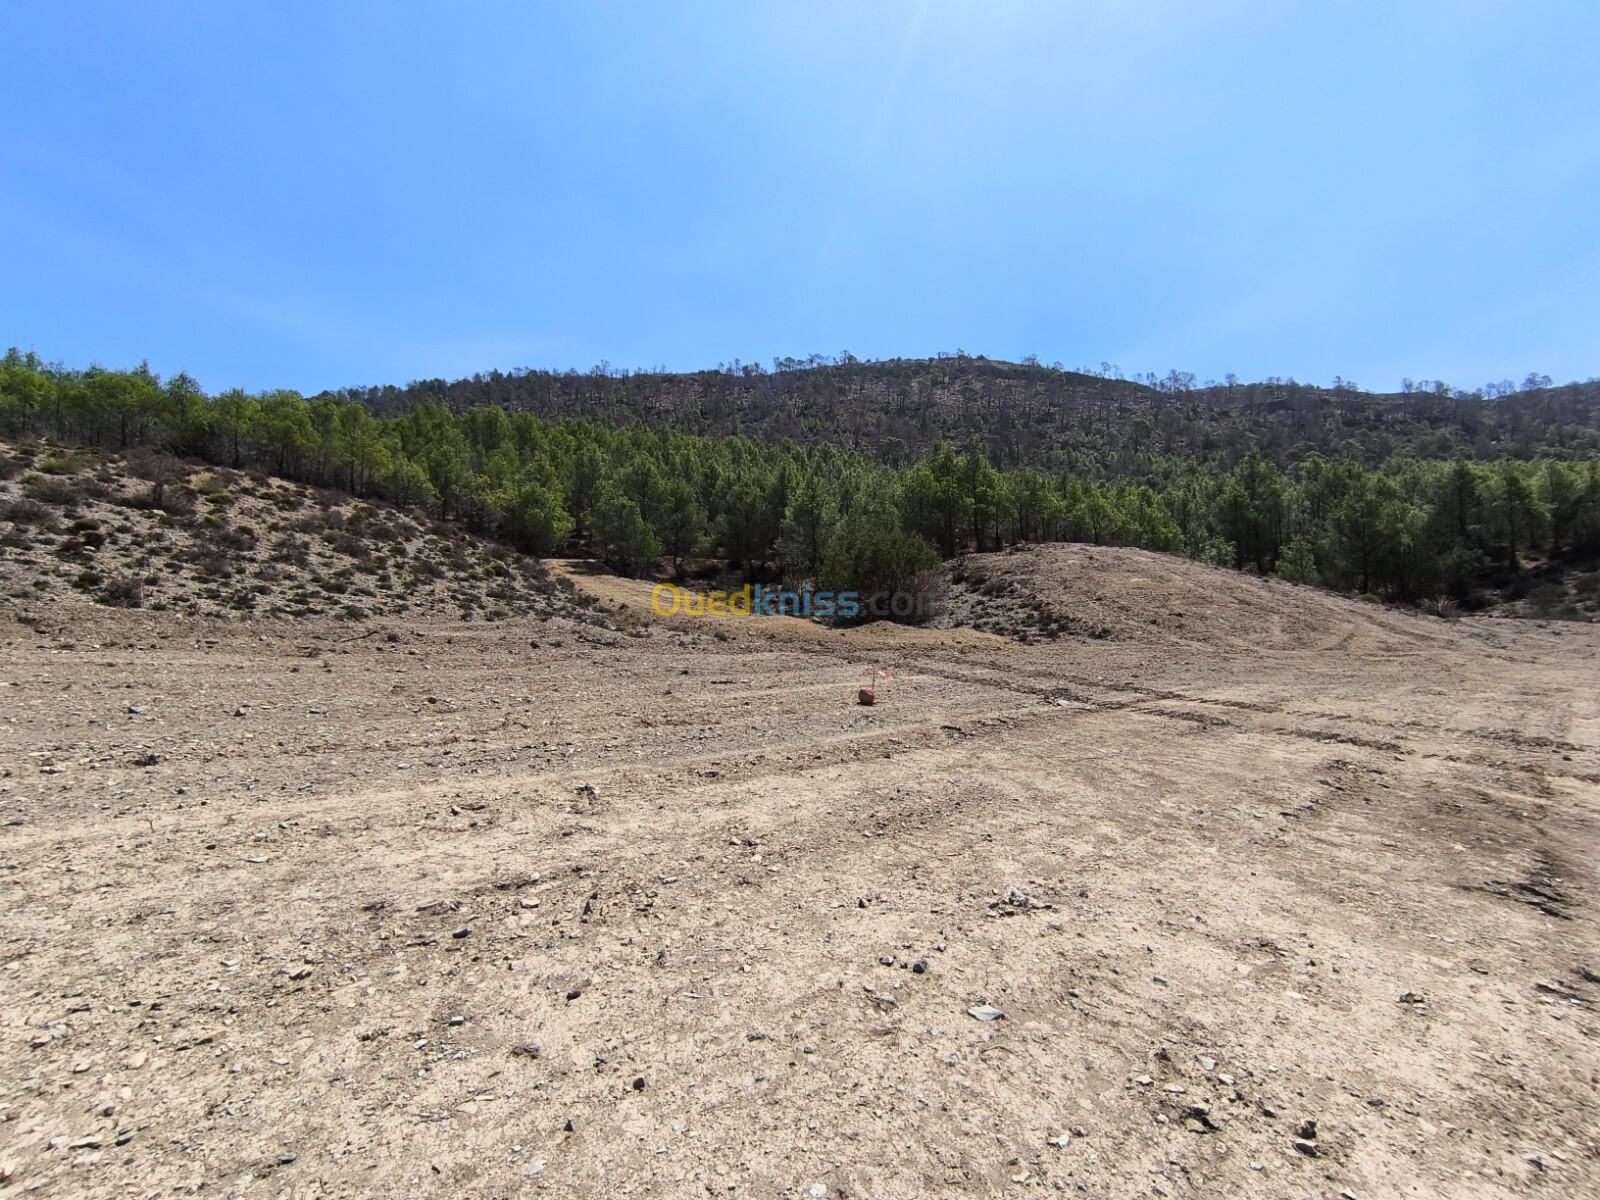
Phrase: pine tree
(629, 541)
(808, 525)
(532, 513)
(681, 522)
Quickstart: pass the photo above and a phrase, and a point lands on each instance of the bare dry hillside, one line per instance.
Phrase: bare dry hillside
(80, 526)
(1143, 598)
(1262, 893)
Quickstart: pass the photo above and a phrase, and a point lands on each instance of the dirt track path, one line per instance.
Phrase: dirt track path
(679, 859)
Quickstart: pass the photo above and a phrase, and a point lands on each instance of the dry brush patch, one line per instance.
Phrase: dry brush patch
(149, 531)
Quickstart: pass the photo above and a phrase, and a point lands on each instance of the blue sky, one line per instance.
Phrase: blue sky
(318, 195)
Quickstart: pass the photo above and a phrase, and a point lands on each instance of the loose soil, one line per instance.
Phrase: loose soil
(1279, 895)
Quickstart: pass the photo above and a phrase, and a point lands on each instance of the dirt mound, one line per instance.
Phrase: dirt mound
(79, 528)
(1044, 593)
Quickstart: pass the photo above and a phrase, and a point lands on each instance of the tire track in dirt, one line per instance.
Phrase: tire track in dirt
(698, 894)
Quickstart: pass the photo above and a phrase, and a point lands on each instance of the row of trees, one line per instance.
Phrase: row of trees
(1411, 528)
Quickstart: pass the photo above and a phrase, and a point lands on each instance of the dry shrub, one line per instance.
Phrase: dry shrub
(1441, 606)
(123, 591)
(28, 514)
(56, 492)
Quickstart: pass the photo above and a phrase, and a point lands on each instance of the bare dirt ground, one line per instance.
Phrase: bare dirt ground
(1288, 896)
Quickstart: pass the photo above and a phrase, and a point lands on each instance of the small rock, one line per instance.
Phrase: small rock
(985, 1012)
(464, 931)
(455, 1021)
(816, 1191)
(920, 967)
(1016, 897)
(1306, 1147)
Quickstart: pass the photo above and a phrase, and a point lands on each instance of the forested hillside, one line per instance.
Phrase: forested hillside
(1027, 413)
(651, 498)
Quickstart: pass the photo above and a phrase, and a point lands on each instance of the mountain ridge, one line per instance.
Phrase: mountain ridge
(1027, 413)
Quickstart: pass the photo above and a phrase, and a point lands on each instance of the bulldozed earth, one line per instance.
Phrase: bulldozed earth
(1224, 887)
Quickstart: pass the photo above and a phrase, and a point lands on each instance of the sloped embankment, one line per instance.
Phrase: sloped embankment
(1045, 593)
(77, 528)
